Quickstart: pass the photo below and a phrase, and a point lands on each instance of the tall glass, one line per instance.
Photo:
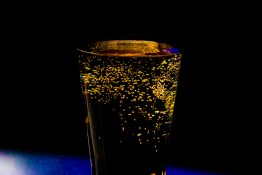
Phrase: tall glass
(130, 90)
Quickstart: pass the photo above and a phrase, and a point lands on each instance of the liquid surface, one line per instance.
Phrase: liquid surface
(130, 48)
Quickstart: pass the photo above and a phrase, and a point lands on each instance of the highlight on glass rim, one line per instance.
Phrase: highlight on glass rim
(129, 87)
(130, 48)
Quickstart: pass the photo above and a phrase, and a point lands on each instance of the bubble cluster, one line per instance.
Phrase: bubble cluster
(142, 90)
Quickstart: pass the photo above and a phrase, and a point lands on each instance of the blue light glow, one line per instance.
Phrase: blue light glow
(174, 50)
(13, 163)
(181, 171)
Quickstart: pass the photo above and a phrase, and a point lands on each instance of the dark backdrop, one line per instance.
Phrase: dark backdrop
(42, 102)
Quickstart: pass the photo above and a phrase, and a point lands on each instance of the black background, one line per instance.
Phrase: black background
(43, 110)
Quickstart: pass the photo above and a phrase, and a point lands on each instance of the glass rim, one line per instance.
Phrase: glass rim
(102, 48)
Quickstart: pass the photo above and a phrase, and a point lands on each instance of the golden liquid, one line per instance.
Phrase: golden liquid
(133, 83)
(147, 85)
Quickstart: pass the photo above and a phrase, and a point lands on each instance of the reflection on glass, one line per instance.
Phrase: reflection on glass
(130, 90)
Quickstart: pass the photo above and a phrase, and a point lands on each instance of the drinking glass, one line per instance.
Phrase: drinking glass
(130, 89)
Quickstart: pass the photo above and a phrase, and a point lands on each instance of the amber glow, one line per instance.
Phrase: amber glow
(138, 74)
(129, 48)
